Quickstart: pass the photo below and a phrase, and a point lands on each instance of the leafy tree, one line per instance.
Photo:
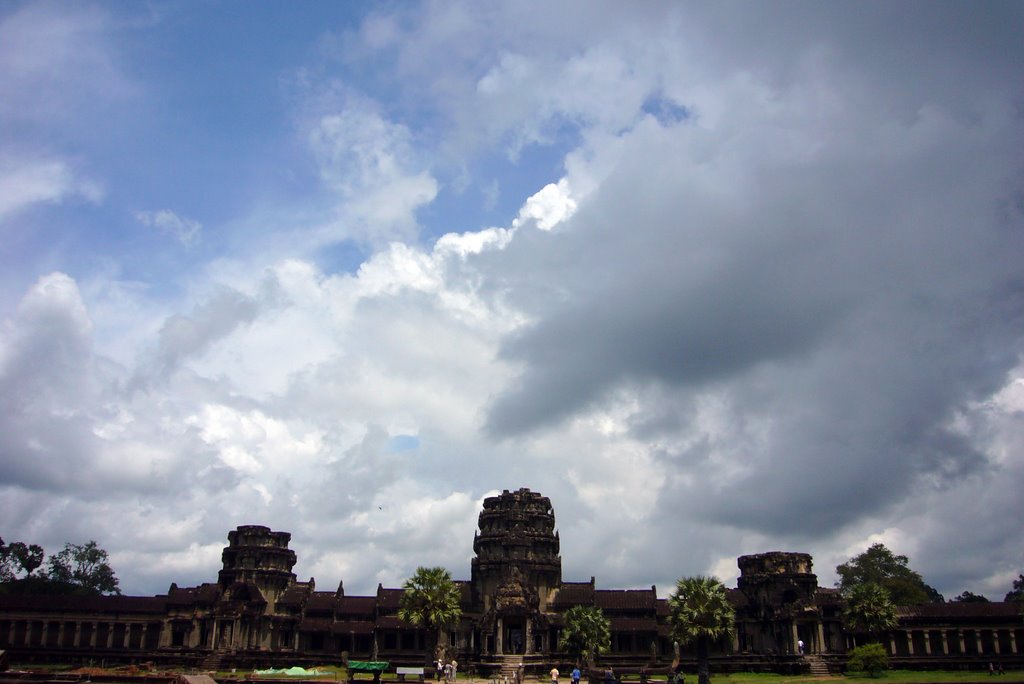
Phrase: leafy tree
(430, 598)
(879, 565)
(970, 597)
(869, 610)
(700, 613)
(1017, 593)
(18, 555)
(85, 567)
(869, 658)
(587, 633)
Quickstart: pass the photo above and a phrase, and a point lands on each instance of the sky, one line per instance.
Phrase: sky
(717, 278)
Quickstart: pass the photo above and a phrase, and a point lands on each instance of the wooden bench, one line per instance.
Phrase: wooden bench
(415, 671)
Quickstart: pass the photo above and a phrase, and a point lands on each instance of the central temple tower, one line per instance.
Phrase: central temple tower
(516, 570)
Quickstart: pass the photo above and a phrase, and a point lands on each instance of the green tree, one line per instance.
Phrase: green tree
(879, 565)
(869, 610)
(970, 597)
(84, 567)
(869, 658)
(432, 599)
(700, 613)
(18, 555)
(587, 633)
(1017, 593)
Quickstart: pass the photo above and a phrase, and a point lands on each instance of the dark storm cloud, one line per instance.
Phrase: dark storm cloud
(834, 253)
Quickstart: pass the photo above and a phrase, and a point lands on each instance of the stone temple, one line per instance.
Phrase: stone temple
(258, 614)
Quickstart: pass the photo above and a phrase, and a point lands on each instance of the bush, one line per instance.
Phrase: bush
(870, 658)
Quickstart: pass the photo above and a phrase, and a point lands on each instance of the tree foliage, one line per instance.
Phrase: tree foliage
(587, 633)
(970, 597)
(869, 610)
(430, 598)
(85, 567)
(19, 556)
(1017, 593)
(700, 613)
(869, 658)
(878, 565)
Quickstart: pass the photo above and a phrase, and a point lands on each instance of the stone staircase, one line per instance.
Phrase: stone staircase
(211, 663)
(816, 665)
(509, 666)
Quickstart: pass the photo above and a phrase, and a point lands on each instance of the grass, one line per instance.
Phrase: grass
(889, 677)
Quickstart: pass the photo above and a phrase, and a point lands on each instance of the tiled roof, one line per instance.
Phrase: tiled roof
(388, 598)
(152, 605)
(625, 599)
(357, 605)
(322, 601)
(575, 594)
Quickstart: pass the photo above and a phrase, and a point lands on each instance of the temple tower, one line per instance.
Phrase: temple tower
(256, 556)
(515, 571)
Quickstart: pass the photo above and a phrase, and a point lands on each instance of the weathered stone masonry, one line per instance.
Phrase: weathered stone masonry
(259, 614)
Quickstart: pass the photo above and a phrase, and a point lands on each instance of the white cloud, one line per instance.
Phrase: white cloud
(26, 182)
(184, 230)
(371, 163)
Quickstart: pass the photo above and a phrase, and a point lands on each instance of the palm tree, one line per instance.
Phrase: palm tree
(587, 633)
(432, 599)
(700, 613)
(869, 609)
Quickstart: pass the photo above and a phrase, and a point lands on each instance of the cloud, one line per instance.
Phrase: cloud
(26, 182)
(184, 230)
(772, 301)
(371, 164)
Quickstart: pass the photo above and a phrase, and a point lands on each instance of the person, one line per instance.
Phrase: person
(520, 673)
(447, 672)
(575, 675)
(679, 677)
(800, 646)
(454, 670)
(609, 675)
(554, 675)
(991, 668)
(440, 669)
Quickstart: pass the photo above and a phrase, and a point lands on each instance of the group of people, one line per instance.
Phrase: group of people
(574, 675)
(446, 670)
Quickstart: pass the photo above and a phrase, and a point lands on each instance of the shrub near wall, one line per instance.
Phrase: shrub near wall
(870, 659)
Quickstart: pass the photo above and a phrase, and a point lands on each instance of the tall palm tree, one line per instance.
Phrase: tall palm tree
(430, 598)
(869, 608)
(587, 633)
(701, 614)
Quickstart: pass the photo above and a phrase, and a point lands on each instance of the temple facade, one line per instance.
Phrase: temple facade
(258, 614)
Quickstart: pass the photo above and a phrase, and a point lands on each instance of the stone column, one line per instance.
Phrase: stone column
(977, 640)
(822, 646)
(78, 635)
(127, 635)
(995, 641)
(793, 637)
(892, 643)
(927, 642)
(60, 635)
(1013, 642)
(499, 638)
(945, 642)
(909, 634)
(529, 637)
(110, 635)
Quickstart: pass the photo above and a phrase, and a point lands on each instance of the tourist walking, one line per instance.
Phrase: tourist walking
(440, 668)
(575, 675)
(454, 669)
(554, 675)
